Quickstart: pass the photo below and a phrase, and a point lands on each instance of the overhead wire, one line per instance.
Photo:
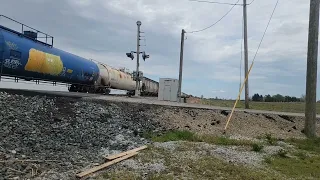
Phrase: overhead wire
(247, 75)
(215, 2)
(222, 3)
(215, 22)
(251, 2)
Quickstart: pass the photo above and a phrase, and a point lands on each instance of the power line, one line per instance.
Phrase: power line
(251, 2)
(215, 2)
(265, 30)
(250, 67)
(215, 22)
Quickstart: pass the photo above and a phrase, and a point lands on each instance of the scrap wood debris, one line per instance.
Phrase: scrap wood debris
(111, 157)
(114, 159)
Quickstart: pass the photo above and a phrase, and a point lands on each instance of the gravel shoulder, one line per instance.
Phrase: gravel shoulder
(64, 136)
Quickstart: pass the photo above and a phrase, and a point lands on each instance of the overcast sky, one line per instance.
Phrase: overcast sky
(105, 30)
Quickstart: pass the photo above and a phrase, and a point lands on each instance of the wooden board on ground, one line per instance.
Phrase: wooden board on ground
(125, 153)
(97, 168)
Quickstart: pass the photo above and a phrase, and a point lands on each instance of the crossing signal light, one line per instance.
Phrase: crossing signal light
(130, 55)
(145, 56)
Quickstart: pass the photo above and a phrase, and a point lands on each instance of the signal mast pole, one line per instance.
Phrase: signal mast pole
(246, 54)
(138, 53)
(181, 65)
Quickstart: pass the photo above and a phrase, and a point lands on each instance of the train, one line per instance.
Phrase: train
(24, 56)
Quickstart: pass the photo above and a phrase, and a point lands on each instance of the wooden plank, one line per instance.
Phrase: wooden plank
(125, 153)
(97, 168)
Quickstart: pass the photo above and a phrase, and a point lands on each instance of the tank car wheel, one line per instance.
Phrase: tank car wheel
(107, 91)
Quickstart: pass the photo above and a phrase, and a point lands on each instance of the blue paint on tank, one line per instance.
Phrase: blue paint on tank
(30, 59)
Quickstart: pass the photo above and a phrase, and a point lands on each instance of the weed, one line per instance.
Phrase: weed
(271, 140)
(257, 147)
(282, 153)
(268, 160)
(175, 136)
(301, 155)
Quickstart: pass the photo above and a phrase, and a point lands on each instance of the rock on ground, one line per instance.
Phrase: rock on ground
(65, 135)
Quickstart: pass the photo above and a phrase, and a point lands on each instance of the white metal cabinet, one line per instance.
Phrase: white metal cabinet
(168, 89)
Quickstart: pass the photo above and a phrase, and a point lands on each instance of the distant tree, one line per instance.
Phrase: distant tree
(261, 98)
(278, 98)
(287, 99)
(303, 98)
(257, 97)
(268, 98)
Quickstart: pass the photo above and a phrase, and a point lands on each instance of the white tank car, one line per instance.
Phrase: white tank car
(115, 79)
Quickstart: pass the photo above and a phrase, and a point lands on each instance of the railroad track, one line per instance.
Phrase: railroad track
(132, 99)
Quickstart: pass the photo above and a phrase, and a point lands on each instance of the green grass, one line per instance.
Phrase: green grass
(181, 166)
(271, 140)
(303, 163)
(175, 136)
(297, 107)
(185, 135)
(307, 144)
(257, 147)
(303, 167)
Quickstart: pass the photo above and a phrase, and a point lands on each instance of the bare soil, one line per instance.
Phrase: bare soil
(213, 122)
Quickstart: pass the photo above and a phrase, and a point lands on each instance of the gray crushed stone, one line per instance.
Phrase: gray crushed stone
(271, 150)
(232, 155)
(170, 145)
(144, 167)
(73, 133)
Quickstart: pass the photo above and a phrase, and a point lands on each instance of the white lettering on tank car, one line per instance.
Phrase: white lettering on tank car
(12, 45)
(63, 73)
(11, 63)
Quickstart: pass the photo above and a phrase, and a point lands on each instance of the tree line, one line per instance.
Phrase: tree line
(277, 98)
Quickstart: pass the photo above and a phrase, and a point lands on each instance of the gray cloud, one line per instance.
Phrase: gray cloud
(106, 30)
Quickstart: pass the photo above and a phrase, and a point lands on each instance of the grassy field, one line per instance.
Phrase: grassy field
(295, 107)
(192, 158)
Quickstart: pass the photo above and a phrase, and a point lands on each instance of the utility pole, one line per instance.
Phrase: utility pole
(181, 65)
(246, 54)
(312, 58)
(138, 53)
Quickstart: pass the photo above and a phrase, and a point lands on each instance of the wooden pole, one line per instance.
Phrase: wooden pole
(311, 82)
(245, 53)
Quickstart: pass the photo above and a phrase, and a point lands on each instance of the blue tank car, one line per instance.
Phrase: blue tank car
(23, 56)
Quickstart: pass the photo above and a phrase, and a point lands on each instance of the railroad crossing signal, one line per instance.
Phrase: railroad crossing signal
(130, 55)
(145, 56)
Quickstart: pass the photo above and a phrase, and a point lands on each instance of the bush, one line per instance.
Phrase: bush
(257, 147)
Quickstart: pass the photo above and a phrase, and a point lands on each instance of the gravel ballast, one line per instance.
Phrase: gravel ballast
(64, 135)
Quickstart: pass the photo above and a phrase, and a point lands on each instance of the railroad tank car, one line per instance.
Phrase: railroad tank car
(116, 79)
(25, 57)
(22, 55)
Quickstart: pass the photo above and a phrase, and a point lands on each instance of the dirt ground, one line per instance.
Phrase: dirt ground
(244, 124)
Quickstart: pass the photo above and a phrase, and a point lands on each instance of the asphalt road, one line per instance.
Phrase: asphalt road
(144, 100)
